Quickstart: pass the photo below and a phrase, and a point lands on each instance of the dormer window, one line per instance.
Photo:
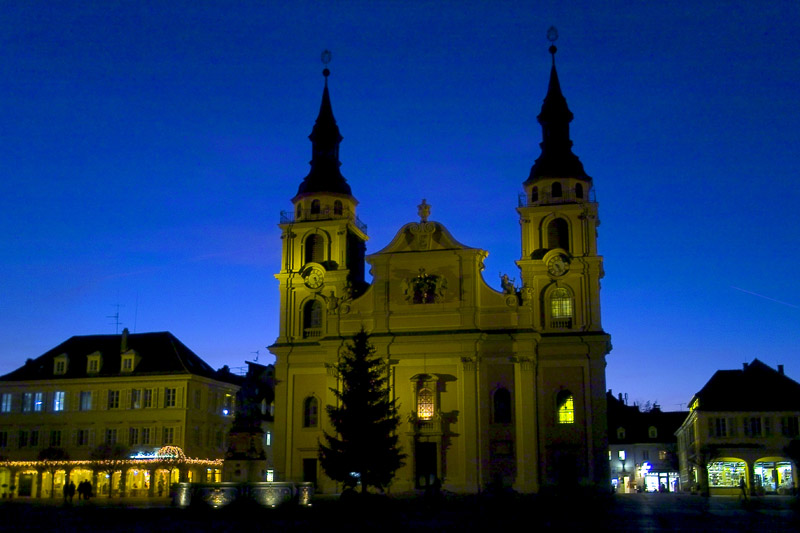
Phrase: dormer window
(129, 361)
(93, 363)
(652, 432)
(60, 365)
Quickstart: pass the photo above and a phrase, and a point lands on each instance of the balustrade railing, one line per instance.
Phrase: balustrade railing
(325, 213)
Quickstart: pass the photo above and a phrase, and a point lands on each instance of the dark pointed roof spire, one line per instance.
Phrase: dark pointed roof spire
(556, 159)
(325, 175)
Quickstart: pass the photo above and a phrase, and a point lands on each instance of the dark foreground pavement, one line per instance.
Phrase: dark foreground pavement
(492, 514)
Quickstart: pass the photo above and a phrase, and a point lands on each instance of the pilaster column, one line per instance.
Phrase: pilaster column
(472, 460)
(525, 419)
(38, 493)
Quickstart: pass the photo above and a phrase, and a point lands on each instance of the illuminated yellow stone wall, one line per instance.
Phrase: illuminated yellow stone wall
(469, 339)
(195, 419)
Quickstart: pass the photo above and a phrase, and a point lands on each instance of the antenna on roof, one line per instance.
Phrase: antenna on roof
(256, 352)
(115, 316)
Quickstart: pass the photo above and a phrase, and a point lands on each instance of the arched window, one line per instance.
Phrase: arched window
(560, 309)
(535, 195)
(578, 190)
(555, 192)
(312, 319)
(565, 407)
(314, 207)
(652, 432)
(315, 249)
(299, 211)
(501, 403)
(558, 234)
(425, 404)
(337, 207)
(310, 411)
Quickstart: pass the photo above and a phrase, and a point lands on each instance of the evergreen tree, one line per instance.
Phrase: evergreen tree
(365, 445)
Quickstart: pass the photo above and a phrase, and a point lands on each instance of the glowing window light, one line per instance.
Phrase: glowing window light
(566, 410)
(425, 404)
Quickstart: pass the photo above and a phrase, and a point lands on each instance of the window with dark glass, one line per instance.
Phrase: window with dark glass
(312, 319)
(558, 234)
(310, 409)
(501, 402)
(315, 249)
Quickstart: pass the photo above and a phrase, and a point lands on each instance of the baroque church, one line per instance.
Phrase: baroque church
(494, 387)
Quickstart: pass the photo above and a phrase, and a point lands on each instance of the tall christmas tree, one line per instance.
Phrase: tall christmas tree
(365, 445)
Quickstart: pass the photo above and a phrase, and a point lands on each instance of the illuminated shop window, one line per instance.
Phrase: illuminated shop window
(425, 404)
(310, 411)
(726, 473)
(566, 408)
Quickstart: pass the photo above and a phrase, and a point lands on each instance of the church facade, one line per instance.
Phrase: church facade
(494, 387)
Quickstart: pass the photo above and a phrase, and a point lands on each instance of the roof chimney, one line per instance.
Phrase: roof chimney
(746, 365)
(780, 369)
(124, 344)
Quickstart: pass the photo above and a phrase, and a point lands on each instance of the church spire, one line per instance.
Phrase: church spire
(325, 175)
(556, 159)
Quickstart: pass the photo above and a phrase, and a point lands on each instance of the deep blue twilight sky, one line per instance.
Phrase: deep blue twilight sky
(147, 149)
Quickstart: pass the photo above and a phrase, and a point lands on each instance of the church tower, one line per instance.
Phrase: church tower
(560, 267)
(323, 240)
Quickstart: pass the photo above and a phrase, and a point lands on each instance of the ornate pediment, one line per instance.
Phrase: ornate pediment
(424, 288)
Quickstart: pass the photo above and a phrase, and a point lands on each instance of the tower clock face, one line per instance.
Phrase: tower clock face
(314, 277)
(558, 265)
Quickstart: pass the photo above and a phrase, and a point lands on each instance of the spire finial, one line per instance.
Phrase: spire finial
(552, 36)
(326, 58)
